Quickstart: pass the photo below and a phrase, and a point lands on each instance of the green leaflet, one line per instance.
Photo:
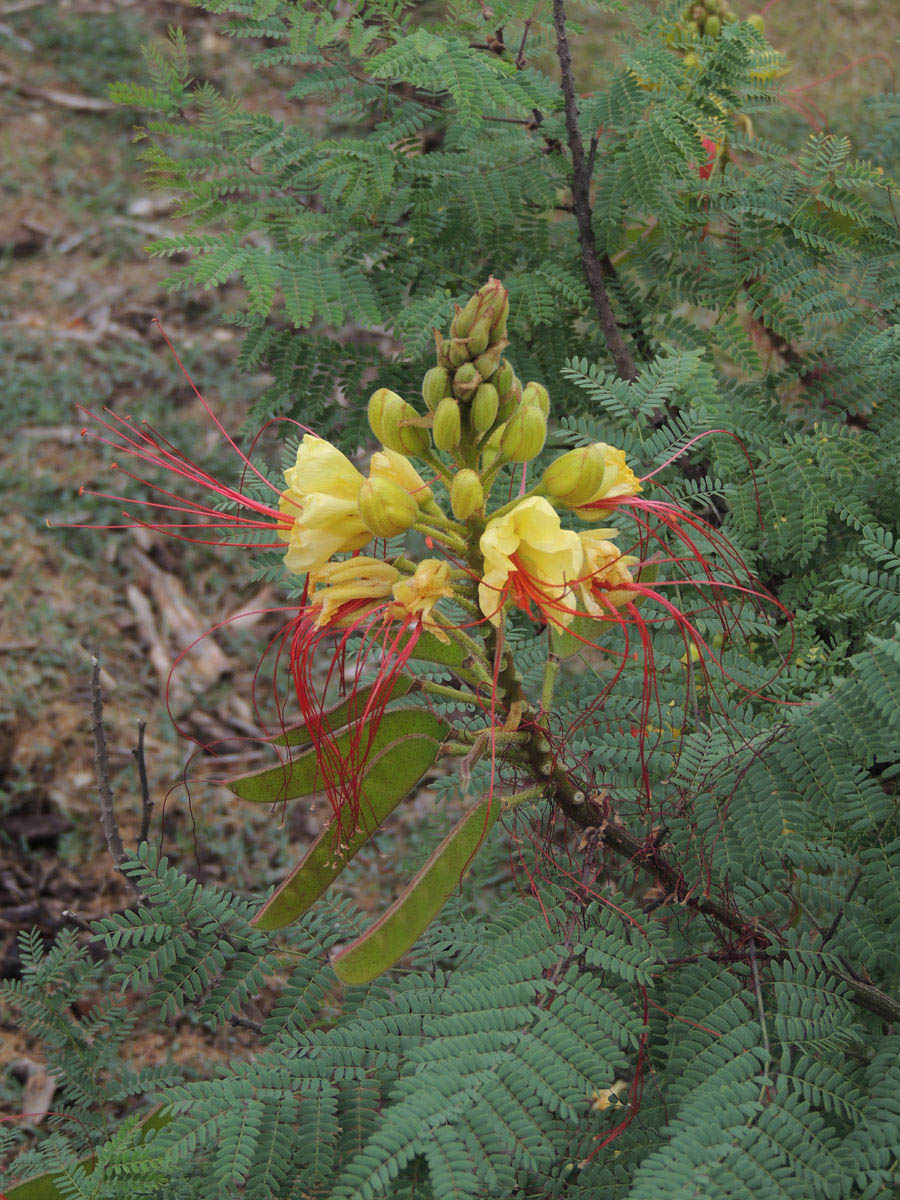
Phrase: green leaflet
(419, 903)
(342, 713)
(390, 777)
(302, 777)
(43, 1187)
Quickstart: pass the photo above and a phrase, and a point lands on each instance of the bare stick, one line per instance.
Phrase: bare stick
(581, 199)
(101, 767)
(146, 802)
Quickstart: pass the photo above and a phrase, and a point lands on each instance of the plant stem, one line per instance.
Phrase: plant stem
(581, 200)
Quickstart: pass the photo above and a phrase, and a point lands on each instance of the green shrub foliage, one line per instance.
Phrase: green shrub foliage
(736, 978)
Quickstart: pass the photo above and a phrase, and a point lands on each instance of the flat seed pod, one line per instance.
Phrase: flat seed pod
(341, 714)
(302, 777)
(419, 903)
(390, 777)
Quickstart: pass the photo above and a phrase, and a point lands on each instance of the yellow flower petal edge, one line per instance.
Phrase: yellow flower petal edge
(344, 592)
(530, 561)
(321, 502)
(417, 595)
(605, 575)
(618, 480)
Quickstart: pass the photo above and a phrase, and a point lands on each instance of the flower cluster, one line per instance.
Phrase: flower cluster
(478, 417)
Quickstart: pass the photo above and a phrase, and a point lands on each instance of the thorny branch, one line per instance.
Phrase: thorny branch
(101, 767)
(146, 802)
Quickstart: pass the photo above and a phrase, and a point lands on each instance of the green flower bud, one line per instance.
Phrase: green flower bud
(483, 412)
(498, 327)
(712, 27)
(466, 494)
(380, 403)
(575, 477)
(486, 364)
(536, 394)
(386, 509)
(757, 22)
(458, 350)
(524, 434)
(396, 432)
(465, 317)
(465, 381)
(435, 386)
(479, 336)
(504, 381)
(447, 426)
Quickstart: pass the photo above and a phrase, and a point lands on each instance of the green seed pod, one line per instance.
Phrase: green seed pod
(435, 386)
(465, 381)
(386, 509)
(575, 477)
(757, 22)
(466, 494)
(536, 394)
(447, 426)
(524, 434)
(504, 381)
(712, 27)
(483, 412)
(380, 403)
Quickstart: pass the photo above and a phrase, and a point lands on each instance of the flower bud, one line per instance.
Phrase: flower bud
(465, 381)
(498, 327)
(524, 435)
(712, 27)
(536, 394)
(575, 478)
(396, 432)
(486, 364)
(504, 381)
(458, 350)
(483, 412)
(380, 403)
(479, 336)
(447, 427)
(385, 507)
(757, 22)
(397, 467)
(435, 386)
(465, 317)
(466, 494)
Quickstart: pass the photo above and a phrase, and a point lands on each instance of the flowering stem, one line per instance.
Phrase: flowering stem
(507, 736)
(454, 542)
(535, 491)
(448, 693)
(516, 798)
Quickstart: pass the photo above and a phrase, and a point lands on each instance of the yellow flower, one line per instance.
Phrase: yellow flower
(618, 480)
(531, 560)
(345, 592)
(417, 595)
(391, 465)
(605, 574)
(321, 503)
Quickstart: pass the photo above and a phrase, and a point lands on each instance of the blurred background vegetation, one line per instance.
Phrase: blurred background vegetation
(78, 297)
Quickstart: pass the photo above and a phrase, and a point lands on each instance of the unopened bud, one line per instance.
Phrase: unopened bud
(479, 336)
(386, 509)
(524, 435)
(465, 381)
(395, 431)
(458, 350)
(380, 404)
(712, 27)
(435, 386)
(465, 317)
(536, 394)
(575, 478)
(486, 364)
(398, 468)
(447, 426)
(498, 328)
(485, 403)
(757, 22)
(466, 494)
(504, 381)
